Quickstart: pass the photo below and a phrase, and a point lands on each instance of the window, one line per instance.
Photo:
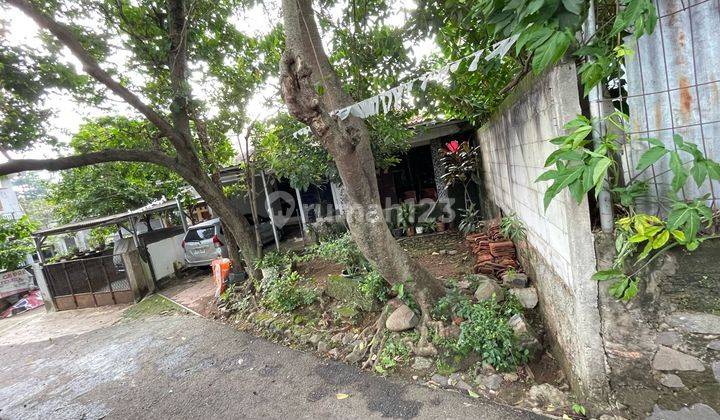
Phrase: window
(197, 235)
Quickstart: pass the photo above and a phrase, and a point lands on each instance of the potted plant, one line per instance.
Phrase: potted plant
(406, 218)
(428, 226)
(395, 230)
(440, 226)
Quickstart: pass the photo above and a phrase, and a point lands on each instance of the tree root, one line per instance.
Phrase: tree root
(424, 347)
(378, 339)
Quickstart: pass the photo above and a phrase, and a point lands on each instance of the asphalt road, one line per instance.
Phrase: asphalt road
(190, 367)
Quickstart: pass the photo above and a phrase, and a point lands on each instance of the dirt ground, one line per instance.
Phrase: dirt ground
(443, 254)
(188, 367)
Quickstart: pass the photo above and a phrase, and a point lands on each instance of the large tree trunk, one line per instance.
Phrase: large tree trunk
(210, 189)
(305, 66)
(239, 228)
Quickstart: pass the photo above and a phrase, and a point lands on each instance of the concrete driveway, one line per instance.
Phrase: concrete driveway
(190, 367)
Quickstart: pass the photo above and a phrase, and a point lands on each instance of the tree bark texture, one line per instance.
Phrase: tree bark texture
(304, 66)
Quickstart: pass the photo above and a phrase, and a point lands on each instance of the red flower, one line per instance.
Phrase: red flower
(453, 146)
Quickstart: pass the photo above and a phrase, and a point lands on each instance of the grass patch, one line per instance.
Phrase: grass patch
(153, 305)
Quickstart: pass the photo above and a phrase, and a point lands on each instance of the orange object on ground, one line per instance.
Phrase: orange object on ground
(220, 270)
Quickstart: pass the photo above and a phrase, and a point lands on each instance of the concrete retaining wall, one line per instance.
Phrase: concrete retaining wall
(559, 248)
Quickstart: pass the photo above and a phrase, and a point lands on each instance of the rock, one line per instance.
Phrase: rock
(671, 381)
(439, 379)
(510, 377)
(322, 347)
(422, 363)
(314, 339)
(547, 394)
(451, 331)
(487, 368)
(346, 312)
(611, 417)
(442, 252)
(455, 378)
(346, 290)
(670, 359)
(452, 252)
(528, 297)
(695, 412)
(356, 355)
(700, 323)
(402, 318)
(337, 338)
(714, 345)
(716, 370)
(487, 288)
(513, 279)
(463, 386)
(669, 338)
(334, 353)
(525, 335)
(492, 382)
(347, 338)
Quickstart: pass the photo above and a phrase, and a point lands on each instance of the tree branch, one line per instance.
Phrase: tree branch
(91, 67)
(104, 156)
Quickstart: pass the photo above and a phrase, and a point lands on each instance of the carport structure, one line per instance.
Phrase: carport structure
(101, 280)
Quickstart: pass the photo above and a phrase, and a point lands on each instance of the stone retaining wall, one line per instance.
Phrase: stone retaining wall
(663, 347)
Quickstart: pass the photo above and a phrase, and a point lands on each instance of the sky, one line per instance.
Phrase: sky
(69, 115)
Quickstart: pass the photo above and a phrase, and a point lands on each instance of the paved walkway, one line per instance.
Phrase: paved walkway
(190, 367)
(38, 325)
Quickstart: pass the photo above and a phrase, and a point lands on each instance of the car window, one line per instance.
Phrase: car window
(197, 235)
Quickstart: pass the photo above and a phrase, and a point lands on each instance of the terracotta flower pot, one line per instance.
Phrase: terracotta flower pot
(410, 231)
(440, 226)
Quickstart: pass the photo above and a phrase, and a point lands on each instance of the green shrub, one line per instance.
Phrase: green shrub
(373, 285)
(512, 228)
(449, 304)
(393, 354)
(342, 250)
(274, 259)
(283, 294)
(282, 261)
(405, 296)
(486, 332)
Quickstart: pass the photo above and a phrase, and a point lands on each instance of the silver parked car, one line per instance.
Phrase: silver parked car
(205, 241)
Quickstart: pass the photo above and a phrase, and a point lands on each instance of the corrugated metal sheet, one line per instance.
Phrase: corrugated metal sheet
(673, 83)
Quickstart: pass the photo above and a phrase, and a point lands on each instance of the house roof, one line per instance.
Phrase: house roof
(433, 129)
(106, 220)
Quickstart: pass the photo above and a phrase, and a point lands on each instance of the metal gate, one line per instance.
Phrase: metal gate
(87, 283)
